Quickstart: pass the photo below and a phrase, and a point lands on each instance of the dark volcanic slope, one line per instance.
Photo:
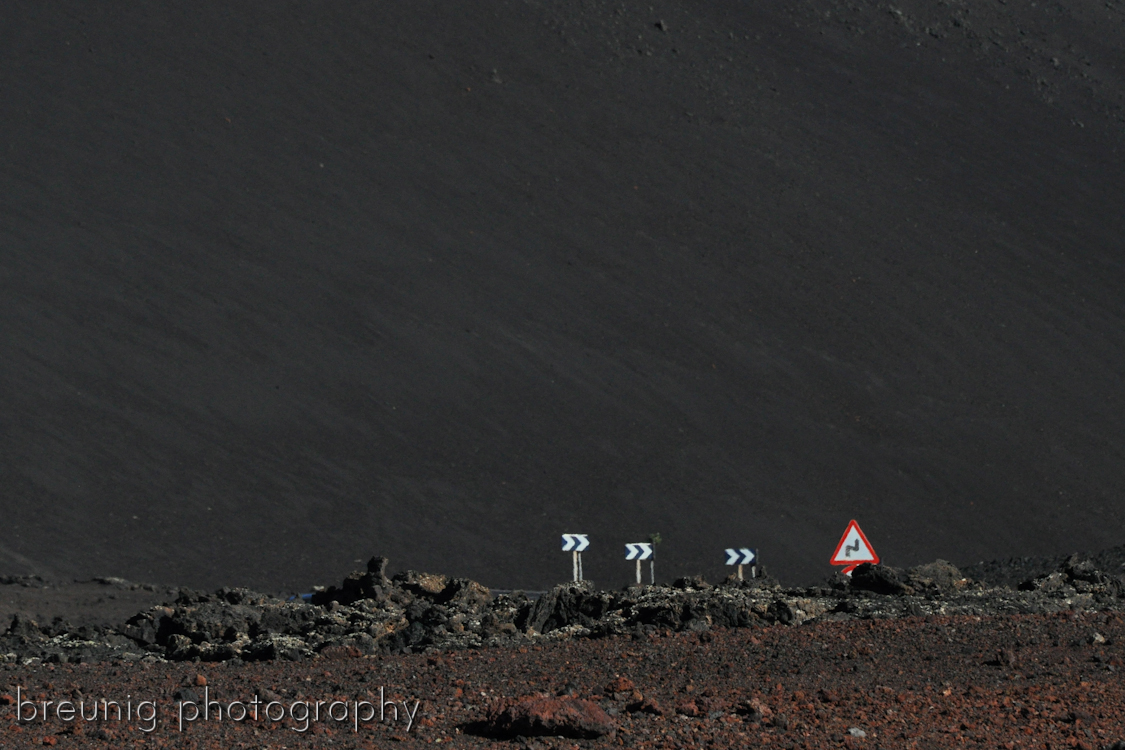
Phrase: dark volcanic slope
(284, 285)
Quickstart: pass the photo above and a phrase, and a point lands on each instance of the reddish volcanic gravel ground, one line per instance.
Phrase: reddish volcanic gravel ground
(1024, 681)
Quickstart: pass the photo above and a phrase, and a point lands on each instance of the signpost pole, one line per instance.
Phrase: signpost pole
(641, 551)
(574, 544)
(743, 556)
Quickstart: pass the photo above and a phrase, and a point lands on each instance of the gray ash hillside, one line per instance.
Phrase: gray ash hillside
(370, 613)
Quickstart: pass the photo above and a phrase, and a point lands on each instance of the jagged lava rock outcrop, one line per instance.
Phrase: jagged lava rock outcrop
(370, 613)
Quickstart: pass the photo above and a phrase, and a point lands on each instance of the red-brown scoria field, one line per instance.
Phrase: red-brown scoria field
(935, 682)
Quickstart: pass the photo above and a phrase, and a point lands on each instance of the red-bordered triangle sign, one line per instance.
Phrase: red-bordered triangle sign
(853, 549)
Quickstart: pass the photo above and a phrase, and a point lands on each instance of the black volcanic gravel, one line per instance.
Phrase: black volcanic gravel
(918, 658)
(931, 682)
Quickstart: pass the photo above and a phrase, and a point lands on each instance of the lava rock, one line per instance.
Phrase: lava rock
(645, 706)
(938, 576)
(879, 579)
(688, 707)
(371, 614)
(377, 566)
(754, 711)
(548, 716)
(619, 685)
(569, 604)
(420, 584)
(24, 629)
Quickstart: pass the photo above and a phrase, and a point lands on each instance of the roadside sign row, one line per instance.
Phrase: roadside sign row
(853, 550)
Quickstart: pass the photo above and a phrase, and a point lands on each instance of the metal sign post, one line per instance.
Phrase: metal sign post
(640, 551)
(574, 544)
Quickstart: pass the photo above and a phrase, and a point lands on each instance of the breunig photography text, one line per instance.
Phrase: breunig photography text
(147, 714)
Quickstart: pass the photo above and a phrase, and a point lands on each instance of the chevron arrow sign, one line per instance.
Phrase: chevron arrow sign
(638, 551)
(741, 556)
(574, 542)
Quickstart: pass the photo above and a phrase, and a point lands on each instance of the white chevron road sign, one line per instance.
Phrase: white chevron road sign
(741, 556)
(638, 551)
(575, 542)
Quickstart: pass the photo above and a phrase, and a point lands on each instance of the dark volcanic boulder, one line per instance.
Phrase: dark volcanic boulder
(24, 629)
(938, 576)
(878, 579)
(1077, 574)
(1052, 583)
(568, 604)
(370, 584)
(420, 584)
(548, 716)
(465, 593)
(1078, 570)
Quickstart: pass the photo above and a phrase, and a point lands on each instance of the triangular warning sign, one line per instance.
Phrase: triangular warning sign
(853, 549)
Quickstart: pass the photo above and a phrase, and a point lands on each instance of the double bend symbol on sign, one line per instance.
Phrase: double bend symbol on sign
(853, 550)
